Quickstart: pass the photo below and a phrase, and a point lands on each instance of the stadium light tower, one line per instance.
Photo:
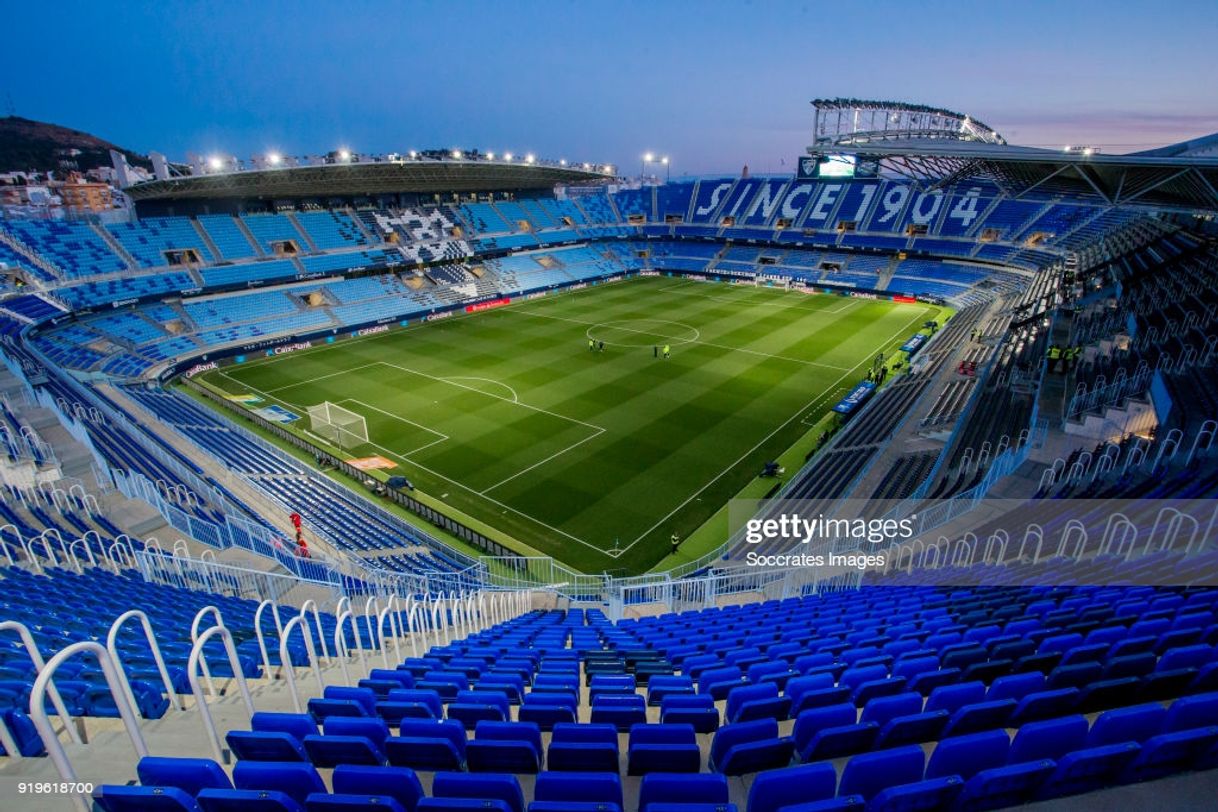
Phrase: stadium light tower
(215, 163)
(344, 155)
(530, 158)
(647, 158)
(274, 158)
(667, 169)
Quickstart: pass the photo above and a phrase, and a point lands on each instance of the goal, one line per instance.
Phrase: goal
(343, 427)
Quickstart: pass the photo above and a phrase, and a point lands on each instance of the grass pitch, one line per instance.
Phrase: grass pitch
(595, 457)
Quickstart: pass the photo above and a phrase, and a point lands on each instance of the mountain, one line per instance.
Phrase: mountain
(37, 145)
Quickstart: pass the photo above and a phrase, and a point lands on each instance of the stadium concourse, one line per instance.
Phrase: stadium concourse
(1048, 634)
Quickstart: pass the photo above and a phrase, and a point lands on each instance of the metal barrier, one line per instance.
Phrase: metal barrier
(197, 659)
(150, 637)
(38, 712)
(286, 661)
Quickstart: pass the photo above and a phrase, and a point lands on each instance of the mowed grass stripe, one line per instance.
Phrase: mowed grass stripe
(661, 431)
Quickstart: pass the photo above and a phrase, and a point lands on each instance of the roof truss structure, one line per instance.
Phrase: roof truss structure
(1178, 183)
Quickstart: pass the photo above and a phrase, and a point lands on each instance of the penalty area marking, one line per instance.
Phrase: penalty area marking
(515, 397)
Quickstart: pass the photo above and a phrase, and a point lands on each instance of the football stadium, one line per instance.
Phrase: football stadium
(455, 479)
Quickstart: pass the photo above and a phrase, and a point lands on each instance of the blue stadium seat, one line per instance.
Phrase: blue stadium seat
(575, 792)
(966, 756)
(348, 740)
(483, 786)
(869, 774)
(621, 710)
(1050, 739)
(505, 747)
(399, 783)
(659, 789)
(295, 780)
(774, 790)
(583, 748)
(247, 800)
(115, 798)
(1088, 769)
(748, 747)
(1134, 724)
(191, 775)
(760, 701)
(350, 802)
(694, 709)
(428, 745)
(663, 748)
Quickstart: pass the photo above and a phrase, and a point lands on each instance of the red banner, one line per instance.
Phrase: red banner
(904, 299)
(474, 308)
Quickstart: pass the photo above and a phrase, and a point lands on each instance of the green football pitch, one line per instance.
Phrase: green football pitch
(594, 457)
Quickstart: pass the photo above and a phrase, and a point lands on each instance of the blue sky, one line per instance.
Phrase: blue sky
(716, 85)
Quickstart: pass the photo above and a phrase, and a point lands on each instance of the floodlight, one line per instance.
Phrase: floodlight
(413, 154)
(528, 159)
(562, 162)
(344, 155)
(490, 156)
(274, 158)
(507, 156)
(215, 162)
(456, 153)
(649, 157)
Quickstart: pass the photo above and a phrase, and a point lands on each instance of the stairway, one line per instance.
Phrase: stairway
(207, 240)
(115, 246)
(249, 235)
(308, 239)
(35, 257)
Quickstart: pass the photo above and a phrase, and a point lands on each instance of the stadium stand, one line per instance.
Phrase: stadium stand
(981, 677)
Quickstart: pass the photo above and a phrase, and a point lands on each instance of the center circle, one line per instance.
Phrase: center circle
(642, 332)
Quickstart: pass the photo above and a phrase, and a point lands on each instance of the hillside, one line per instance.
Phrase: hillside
(35, 145)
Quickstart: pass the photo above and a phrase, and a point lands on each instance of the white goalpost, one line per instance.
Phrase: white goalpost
(343, 427)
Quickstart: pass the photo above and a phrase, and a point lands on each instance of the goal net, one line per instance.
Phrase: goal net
(343, 427)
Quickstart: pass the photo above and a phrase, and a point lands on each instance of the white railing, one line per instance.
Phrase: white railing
(198, 659)
(38, 712)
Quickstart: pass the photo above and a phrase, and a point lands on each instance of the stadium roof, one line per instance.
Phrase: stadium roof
(369, 178)
(1168, 178)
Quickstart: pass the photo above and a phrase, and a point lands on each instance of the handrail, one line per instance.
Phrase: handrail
(413, 621)
(285, 659)
(88, 554)
(31, 648)
(194, 638)
(197, 658)
(266, 659)
(112, 647)
(38, 711)
(321, 635)
(4, 547)
(371, 606)
(8, 742)
(341, 651)
(380, 630)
